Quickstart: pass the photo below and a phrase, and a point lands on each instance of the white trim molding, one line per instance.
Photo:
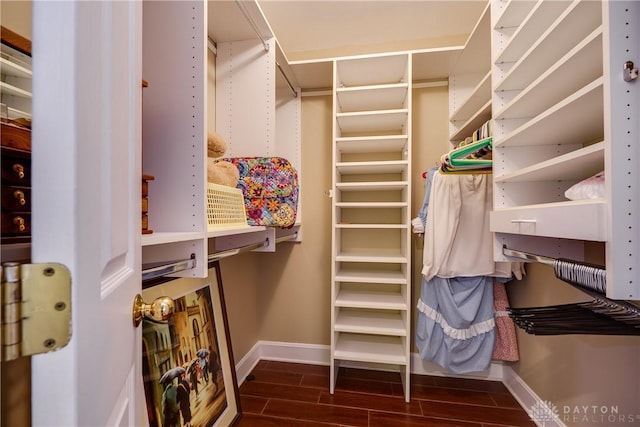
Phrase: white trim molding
(528, 399)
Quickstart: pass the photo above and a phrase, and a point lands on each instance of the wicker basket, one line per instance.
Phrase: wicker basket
(225, 207)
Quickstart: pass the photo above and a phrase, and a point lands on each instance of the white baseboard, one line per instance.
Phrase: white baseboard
(315, 354)
(312, 354)
(527, 398)
(247, 363)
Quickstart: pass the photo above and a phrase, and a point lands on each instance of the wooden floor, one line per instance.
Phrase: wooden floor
(288, 394)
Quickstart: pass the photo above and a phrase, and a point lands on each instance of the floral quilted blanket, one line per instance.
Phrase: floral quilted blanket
(270, 188)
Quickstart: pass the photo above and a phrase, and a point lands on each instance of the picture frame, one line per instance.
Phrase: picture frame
(187, 363)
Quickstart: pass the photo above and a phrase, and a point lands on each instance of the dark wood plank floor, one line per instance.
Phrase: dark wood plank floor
(289, 394)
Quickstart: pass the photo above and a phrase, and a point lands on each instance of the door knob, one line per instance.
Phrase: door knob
(160, 309)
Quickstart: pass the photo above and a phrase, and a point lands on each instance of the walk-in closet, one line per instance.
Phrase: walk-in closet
(351, 213)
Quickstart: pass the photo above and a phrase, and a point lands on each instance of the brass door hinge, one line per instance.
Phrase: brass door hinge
(36, 308)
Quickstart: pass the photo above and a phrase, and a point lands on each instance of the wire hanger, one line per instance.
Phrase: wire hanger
(601, 316)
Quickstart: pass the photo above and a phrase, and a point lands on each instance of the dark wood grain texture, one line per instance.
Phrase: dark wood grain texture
(297, 395)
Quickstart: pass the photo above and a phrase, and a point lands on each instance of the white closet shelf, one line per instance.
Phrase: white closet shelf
(14, 113)
(468, 127)
(159, 238)
(573, 71)
(371, 205)
(377, 167)
(369, 322)
(7, 89)
(388, 256)
(357, 71)
(370, 98)
(10, 68)
(558, 125)
(476, 56)
(513, 13)
(579, 20)
(373, 121)
(371, 276)
(573, 166)
(371, 299)
(582, 220)
(475, 102)
(536, 21)
(372, 144)
(372, 226)
(237, 231)
(372, 186)
(370, 348)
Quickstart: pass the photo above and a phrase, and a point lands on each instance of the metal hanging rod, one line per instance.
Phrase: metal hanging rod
(287, 237)
(584, 287)
(295, 93)
(529, 256)
(158, 270)
(164, 269)
(253, 25)
(235, 251)
(264, 43)
(584, 276)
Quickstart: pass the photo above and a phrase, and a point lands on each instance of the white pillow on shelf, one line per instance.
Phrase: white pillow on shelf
(590, 188)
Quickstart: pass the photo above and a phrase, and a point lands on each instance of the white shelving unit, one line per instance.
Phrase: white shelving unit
(470, 83)
(265, 120)
(371, 250)
(15, 82)
(563, 112)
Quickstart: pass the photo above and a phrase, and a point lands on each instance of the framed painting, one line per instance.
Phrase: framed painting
(187, 362)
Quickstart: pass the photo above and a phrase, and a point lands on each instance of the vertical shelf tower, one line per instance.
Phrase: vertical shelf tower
(371, 219)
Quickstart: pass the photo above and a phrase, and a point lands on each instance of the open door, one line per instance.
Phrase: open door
(87, 65)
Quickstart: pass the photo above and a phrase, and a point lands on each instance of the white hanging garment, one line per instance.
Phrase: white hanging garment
(457, 238)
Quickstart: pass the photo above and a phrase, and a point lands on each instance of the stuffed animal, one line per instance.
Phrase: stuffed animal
(220, 171)
(216, 146)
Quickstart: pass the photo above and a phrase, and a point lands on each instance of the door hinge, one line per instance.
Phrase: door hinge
(36, 308)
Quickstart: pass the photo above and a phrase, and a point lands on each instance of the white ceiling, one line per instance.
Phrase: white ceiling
(310, 29)
(311, 33)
